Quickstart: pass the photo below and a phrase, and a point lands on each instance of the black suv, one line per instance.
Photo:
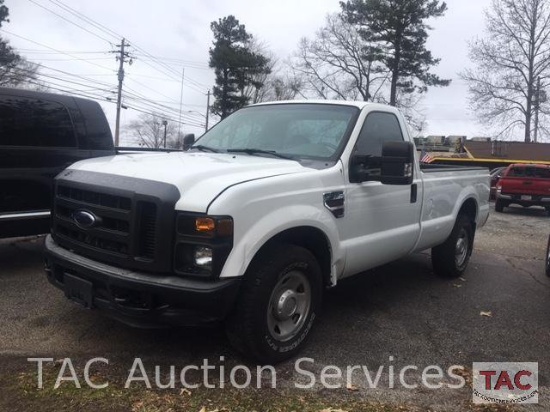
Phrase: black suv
(40, 135)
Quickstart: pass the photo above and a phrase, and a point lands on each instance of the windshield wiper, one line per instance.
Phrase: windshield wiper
(203, 148)
(252, 151)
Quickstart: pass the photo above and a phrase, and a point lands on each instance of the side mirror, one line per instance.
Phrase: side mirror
(397, 163)
(188, 141)
(364, 168)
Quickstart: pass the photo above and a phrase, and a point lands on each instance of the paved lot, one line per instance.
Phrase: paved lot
(400, 310)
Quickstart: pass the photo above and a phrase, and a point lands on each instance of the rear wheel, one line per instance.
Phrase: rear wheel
(451, 258)
(278, 304)
(499, 206)
(547, 260)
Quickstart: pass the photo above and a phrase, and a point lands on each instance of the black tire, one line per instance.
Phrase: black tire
(547, 259)
(290, 276)
(499, 206)
(451, 258)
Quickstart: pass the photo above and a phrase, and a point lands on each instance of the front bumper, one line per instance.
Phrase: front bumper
(137, 298)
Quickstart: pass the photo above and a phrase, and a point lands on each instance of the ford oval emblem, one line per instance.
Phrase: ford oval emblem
(84, 219)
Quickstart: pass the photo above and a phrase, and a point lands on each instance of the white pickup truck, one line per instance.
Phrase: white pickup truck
(267, 209)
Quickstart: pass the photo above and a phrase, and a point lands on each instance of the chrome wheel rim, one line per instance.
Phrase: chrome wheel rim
(461, 249)
(289, 306)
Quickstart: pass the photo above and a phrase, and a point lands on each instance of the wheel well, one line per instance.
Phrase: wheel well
(310, 238)
(469, 208)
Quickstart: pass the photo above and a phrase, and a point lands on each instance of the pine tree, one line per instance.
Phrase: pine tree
(399, 29)
(235, 64)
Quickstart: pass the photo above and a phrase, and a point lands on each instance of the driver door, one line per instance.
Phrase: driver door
(382, 222)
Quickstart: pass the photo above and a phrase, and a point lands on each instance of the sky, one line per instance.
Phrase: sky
(169, 41)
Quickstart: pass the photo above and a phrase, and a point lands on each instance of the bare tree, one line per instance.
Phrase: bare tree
(148, 131)
(272, 84)
(284, 87)
(339, 64)
(15, 70)
(508, 63)
(256, 90)
(279, 87)
(410, 106)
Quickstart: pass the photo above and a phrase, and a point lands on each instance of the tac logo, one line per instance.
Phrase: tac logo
(505, 382)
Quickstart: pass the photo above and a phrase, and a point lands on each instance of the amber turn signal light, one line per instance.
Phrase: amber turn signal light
(205, 225)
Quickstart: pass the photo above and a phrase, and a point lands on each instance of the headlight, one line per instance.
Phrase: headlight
(202, 245)
(203, 257)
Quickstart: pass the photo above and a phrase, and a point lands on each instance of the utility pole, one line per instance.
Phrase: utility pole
(165, 123)
(207, 110)
(540, 97)
(537, 106)
(121, 58)
(181, 100)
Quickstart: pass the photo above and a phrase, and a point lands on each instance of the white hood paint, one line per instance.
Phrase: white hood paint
(200, 177)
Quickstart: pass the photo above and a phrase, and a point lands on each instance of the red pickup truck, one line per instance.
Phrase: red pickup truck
(525, 185)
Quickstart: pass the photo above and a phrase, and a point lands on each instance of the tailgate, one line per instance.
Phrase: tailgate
(519, 186)
(527, 181)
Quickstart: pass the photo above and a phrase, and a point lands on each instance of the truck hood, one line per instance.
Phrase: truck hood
(199, 177)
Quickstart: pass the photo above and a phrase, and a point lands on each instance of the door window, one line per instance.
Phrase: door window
(378, 129)
(34, 122)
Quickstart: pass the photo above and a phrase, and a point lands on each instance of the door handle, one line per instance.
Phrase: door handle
(414, 192)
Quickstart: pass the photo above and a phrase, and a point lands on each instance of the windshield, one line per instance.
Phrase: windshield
(315, 131)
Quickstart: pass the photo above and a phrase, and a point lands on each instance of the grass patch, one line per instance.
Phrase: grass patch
(23, 394)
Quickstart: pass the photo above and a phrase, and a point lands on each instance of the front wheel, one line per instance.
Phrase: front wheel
(451, 258)
(279, 301)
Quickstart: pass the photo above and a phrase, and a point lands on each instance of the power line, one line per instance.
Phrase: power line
(71, 91)
(155, 77)
(149, 88)
(166, 69)
(82, 77)
(92, 88)
(136, 95)
(69, 81)
(86, 19)
(73, 82)
(70, 21)
(51, 48)
(171, 59)
(161, 109)
(88, 95)
(155, 63)
(146, 111)
(72, 59)
(108, 89)
(40, 51)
